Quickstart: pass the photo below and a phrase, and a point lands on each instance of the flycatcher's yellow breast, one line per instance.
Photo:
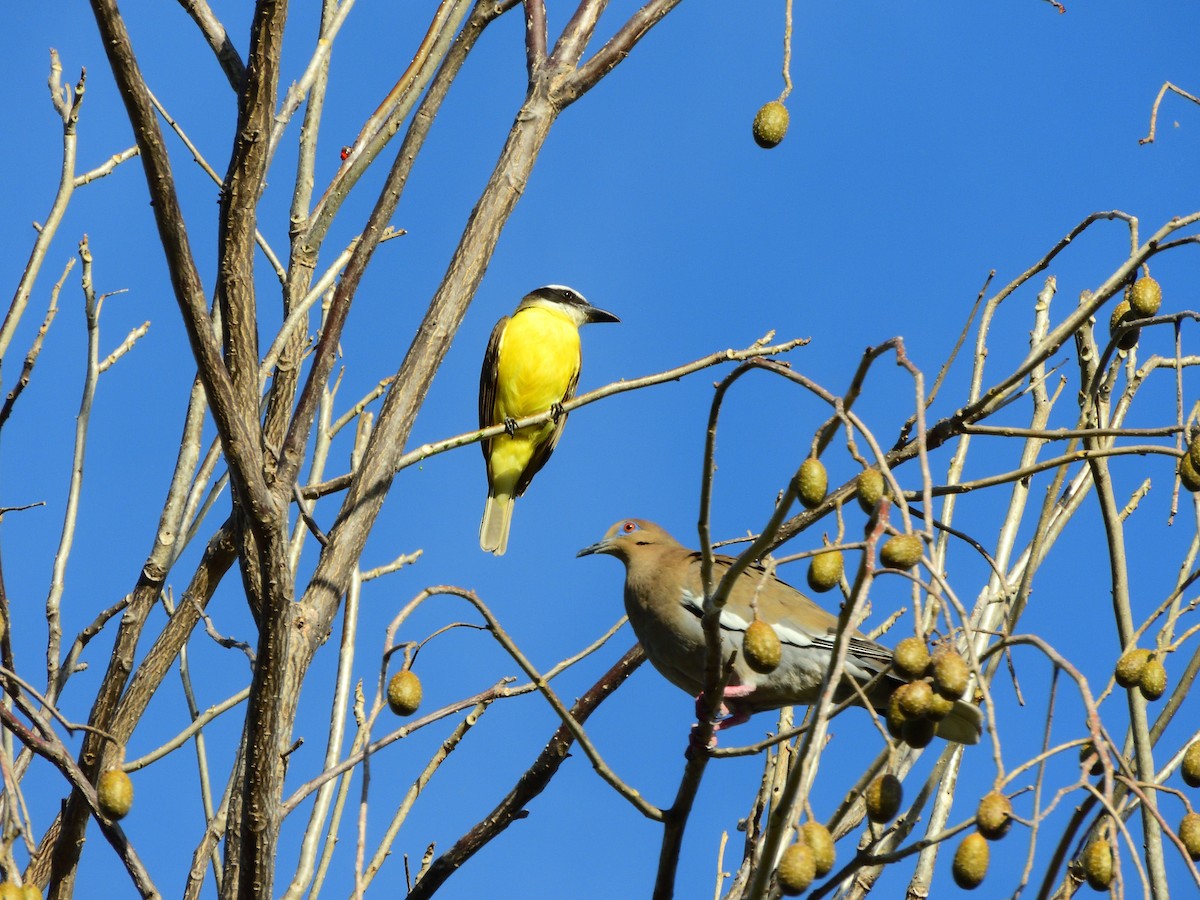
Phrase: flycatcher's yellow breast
(538, 361)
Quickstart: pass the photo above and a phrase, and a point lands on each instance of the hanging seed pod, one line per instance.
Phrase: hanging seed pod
(883, 798)
(994, 816)
(825, 571)
(770, 124)
(812, 481)
(404, 692)
(761, 647)
(901, 552)
(797, 869)
(1097, 863)
(820, 841)
(971, 862)
(911, 659)
(114, 791)
(950, 674)
(869, 489)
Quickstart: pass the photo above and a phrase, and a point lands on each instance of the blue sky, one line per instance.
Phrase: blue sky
(927, 147)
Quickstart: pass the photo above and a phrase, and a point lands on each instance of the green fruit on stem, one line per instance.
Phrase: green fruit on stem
(869, 488)
(901, 552)
(761, 647)
(1145, 297)
(918, 733)
(820, 841)
(1188, 476)
(939, 707)
(1097, 863)
(993, 818)
(1130, 666)
(1190, 768)
(1122, 315)
(910, 659)
(825, 571)
(797, 869)
(1153, 683)
(914, 698)
(971, 861)
(404, 693)
(950, 674)
(1189, 834)
(812, 481)
(114, 791)
(770, 124)
(883, 798)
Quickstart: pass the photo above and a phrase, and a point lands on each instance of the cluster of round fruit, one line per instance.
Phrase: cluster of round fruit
(1189, 828)
(901, 551)
(809, 858)
(1142, 669)
(1142, 300)
(935, 681)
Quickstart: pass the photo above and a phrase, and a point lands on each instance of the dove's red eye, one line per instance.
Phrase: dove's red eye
(629, 527)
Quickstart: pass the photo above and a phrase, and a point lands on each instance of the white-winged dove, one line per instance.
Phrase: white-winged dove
(531, 365)
(664, 600)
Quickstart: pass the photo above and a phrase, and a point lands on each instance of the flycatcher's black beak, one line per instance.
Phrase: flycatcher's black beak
(596, 314)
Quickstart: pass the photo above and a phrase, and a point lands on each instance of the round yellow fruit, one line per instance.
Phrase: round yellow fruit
(971, 861)
(950, 674)
(918, 733)
(114, 791)
(797, 869)
(1188, 476)
(910, 659)
(1194, 452)
(1097, 863)
(404, 692)
(1145, 297)
(11, 891)
(901, 552)
(1189, 834)
(914, 698)
(1121, 316)
(812, 481)
(1153, 683)
(883, 798)
(30, 892)
(1130, 666)
(770, 124)
(993, 818)
(761, 647)
(869, 488)
(1190, 768)
(939, 707)
(820, 841)
(825, 571)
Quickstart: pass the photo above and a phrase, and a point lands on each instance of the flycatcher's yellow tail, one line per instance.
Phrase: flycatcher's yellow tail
(497, 517)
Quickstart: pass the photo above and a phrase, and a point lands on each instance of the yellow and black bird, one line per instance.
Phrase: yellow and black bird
(531, 365)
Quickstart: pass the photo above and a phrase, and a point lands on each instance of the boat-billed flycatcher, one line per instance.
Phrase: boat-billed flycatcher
(531, 365)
